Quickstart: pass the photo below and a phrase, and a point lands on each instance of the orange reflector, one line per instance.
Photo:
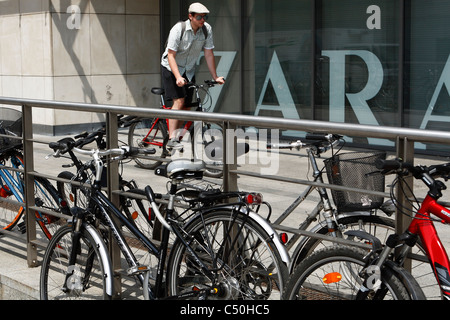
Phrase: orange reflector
(71, 197)
(134, 215)
(332, 277)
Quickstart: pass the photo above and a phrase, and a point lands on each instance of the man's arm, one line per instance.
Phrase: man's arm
(211, 62)
(171, 55)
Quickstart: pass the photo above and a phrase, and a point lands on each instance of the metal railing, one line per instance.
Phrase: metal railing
(404, 137)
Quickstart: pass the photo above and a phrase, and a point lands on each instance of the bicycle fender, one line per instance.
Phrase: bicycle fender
(272, 233)
(103, 250)
(408, 279)
(263, 223)
(376, 243)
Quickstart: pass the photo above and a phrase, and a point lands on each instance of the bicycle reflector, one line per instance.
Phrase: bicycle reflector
(253, 198)
(5, 192)
(332, 277)
(284, 237)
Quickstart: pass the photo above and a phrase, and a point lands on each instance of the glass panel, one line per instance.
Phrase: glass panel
(281, 58)
(357, 62)
(429, 67)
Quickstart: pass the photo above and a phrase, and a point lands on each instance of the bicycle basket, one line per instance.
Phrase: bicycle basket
(351, 170)
(11, 125)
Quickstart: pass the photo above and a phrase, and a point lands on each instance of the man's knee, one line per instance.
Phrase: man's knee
(178, 104)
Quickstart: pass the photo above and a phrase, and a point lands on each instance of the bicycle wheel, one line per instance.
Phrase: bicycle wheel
(11, 187)
(74, 195)
(149, 133)
(47, 197)
(335, 273)
(88, 279)
(239, 252)
(377, 226)
(380, 227)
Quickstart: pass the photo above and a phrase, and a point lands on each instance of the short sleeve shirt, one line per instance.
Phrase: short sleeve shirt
(188, 49)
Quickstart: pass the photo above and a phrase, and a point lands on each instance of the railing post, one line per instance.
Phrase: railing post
(30, 218)
(113, 184)
(405, 188)
(229, 158)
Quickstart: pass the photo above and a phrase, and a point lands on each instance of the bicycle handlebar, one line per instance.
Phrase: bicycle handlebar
(208, 83)
(67, 144)
(322, 141)
(399, 167)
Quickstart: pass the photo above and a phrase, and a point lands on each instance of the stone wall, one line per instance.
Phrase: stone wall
(93, 51)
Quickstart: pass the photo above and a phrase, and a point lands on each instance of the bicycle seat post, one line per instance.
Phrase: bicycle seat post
(312, 160)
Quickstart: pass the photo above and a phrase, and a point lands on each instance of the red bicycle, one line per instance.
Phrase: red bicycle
(154, 133)
(421, 229)
(392, 270)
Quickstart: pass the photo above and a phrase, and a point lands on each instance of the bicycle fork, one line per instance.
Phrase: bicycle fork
(72, 280)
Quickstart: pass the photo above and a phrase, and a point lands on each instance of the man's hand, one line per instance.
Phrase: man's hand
(181, 81)
(220, 80)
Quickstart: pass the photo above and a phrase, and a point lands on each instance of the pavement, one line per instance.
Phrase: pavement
(19, 282)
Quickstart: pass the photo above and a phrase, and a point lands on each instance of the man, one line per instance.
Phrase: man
(184, 45)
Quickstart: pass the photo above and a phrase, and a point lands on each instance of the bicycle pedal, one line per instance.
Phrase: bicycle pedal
(22, 226)
(137, 270)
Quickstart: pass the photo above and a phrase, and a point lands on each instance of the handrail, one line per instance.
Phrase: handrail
(404, 137)
(359, 130)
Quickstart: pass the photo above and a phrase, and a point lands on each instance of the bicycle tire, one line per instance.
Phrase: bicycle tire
(72, 194)
(368, 223)
(10, 213)
(334, 273)
(45, 196)
(91, 276)
(146, 133)
(421, 267)
(253, 271)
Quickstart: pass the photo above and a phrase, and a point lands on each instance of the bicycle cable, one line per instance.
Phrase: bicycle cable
(415, 204)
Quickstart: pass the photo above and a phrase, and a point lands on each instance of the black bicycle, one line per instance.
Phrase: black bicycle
(224, 251)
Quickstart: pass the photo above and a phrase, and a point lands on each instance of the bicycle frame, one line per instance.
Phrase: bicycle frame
(187, 125)
(324, 204)
(109, 210)
(423, 226)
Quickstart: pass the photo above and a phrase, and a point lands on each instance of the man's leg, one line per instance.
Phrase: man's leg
(174, 124)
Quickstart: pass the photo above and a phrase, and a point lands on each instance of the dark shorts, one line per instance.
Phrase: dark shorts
(172, 91)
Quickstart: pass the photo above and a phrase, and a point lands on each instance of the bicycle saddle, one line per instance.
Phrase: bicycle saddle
(158, 91)
(181, 169)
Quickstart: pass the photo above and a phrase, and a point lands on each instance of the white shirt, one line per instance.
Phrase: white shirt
(188, 49)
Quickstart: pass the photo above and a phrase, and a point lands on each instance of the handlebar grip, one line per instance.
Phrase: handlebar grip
(62, 145)
(281, 145)
(388, 164)
(318, 136)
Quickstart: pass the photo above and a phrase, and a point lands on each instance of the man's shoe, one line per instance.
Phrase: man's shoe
(174, 144)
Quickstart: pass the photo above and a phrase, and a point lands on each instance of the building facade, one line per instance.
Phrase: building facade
(382, 62)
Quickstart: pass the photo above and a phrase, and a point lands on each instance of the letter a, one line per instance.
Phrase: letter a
(374, 21)
(74, 21)
(444, 82)
(286, 104)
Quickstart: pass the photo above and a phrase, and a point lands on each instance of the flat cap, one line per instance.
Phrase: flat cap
(197, 7)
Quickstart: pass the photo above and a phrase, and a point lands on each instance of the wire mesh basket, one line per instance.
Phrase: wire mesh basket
(353, 170)
(11, 125)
